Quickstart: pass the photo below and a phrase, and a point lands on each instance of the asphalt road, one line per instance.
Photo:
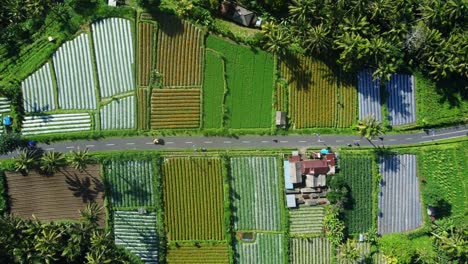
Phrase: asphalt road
(293, 141)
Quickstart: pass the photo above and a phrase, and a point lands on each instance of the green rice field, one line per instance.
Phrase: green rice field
(213, 91)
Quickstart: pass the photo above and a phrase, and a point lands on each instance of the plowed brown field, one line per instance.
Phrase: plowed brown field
(57, 197)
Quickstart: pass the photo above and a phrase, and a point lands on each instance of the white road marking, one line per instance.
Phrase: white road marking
(442, 139)
(340, 140)
(302, 141)
(227, 142)
(408, 138)
(265, 141)
(283, 141)
(208, 142)
(448, 133)
(89, 146)
(50, 148)
(149, 143)
(169, 142)
(70, 147)
(245, 141)
(392, 139)
(130, 143)
(110, 144)
(188, 142)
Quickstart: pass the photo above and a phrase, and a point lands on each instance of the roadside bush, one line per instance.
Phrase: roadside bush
(398, 246)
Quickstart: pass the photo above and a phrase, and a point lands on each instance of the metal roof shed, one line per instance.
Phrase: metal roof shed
(295, 174)
(291, 200)
(280, 118)
(287, 180)
(243, 16)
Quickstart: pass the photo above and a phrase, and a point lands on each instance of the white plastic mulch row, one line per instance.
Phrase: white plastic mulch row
(137, 233)
(38, 91)
(401, 102)
(1, 124)
(113, 44)
(57, 123)
(369, 95)
(119, 114)
(74, 72)
(4, 105)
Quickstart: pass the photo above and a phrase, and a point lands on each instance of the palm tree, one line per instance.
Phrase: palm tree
(25, 160)
(276, 38)
(370, 128)
(317, 39)
(348, 252)
(91, 214)
(301, 10)
(79, 159)
(51, 162)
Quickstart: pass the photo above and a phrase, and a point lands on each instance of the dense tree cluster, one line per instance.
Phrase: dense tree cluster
(383, 34)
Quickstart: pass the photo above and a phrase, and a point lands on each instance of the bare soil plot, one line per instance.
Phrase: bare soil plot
(57, 197)
(399, 199)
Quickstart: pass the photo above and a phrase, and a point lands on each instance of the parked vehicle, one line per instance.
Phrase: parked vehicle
(158, 141)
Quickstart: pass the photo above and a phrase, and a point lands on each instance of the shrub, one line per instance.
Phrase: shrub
(398, 246)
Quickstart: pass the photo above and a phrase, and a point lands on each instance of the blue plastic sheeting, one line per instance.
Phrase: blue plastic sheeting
(324, 151)
(287, 176)
(400, 102)
(7, 121)
(369, 95)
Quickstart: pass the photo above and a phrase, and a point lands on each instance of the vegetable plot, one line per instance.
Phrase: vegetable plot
(119, 114)
(131, 183)
(369, 95)
(193, 198)
(56, 123)
(400, 101)
(310, 250)
(179, 52)
(213, 91)
(317, 97)
(357, 172)
(113, 45)
(137, 233)
(142, 108)
(267, 248)
(175, 108)
(306, 220)
(74, 72)
(255, 193)
(202, 253)
(38, 91)
(145, 52)
(399, 204)
(5, 105)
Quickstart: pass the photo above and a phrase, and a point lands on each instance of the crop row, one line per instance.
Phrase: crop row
(113, 45)
(145, 52)
(74, 72)
(119, 114)
(310, 250)
(142, 108)
(137, 233)
(213, 91)
(369, 95)
(267, 248)
(201, 253)
(57, 123)
(131, 183)
(175, 108)
(5, 105)
(306, 220)
(38, 91)
(193, 198)
(281, 94)
(357, 173)
(179, 52)
(255, 193)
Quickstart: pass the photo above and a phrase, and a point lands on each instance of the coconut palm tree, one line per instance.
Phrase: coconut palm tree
(317, 39)
(25, 160)
(276, 38)
(79, 159)
(370, 128)
(91, 214)
(51, 162)
(348, 252)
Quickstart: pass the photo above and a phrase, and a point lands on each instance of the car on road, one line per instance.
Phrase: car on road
(158, 141)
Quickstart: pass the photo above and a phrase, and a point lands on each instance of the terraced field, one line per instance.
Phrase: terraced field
(38, 91)
(267, 248)
(255, 193)
(179, 52)
(400, 203)
(131, 183)
(193, 198)
(202, 253)
(119, 114)
(113, 45)
(213, 91)
(137, 233)
(145, 52)
(317, 97)
(310, 251)
(74, 72)
(55, 198)
(175, 108)
(56, 123)
(306, 220)
(369, 95)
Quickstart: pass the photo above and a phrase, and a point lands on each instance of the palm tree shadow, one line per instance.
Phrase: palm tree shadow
(88, 188)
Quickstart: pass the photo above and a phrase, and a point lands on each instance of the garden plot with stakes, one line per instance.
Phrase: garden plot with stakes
(56, 123)
(175, 108)
(317, 96)
(118, 114)
(5, 105)
(59, 197)
(193, 198)
(310, 250)
(113, 45)
(401, 100)
(74, 72)
(38, 91)
(255, 193)
(306, 220)
(399, 202)
(137, 233)
(267, 248)
(369, 95)
(131, 183)
(145, 52)
(196, 254)
(249, 78)
(179, 52)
